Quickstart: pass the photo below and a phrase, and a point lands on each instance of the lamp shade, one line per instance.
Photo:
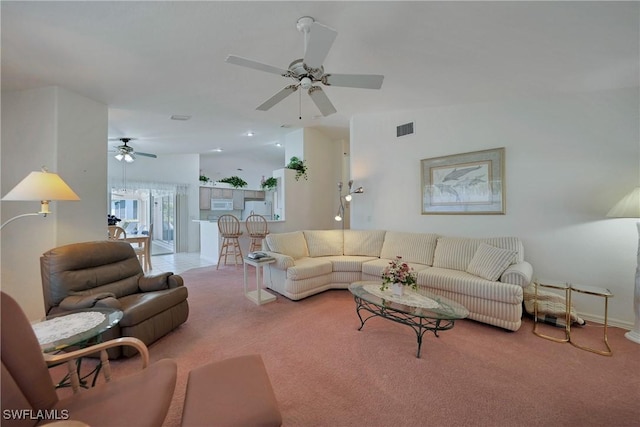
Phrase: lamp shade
(41, 186)
(628, 207)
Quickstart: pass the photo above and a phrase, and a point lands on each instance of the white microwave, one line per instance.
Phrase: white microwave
(221, 204)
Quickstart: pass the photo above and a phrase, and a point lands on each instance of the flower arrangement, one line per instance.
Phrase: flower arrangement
(398, 272)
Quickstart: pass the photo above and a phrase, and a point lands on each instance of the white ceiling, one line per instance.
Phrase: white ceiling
(149, 60)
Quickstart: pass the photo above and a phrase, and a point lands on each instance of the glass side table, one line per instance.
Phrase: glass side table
(78, 328)
(567, 317)
(598, 292)
(568, 290)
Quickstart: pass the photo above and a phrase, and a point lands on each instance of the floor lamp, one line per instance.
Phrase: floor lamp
(43, 186)
(629, 207)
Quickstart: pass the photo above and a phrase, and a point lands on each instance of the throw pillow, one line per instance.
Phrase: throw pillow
(490, 262)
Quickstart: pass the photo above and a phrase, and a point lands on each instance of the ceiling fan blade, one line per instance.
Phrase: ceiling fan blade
(277, 97)
(362, 81)
(320, 40)
(321, 100)
(244, 62)
(137, 153)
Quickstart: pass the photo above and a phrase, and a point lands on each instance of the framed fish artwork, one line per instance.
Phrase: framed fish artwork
(466, 183)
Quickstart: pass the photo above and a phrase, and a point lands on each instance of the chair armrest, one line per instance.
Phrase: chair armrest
(175, 281)
(282, 261)
(156, 282)
(519, 274)
(71, 357)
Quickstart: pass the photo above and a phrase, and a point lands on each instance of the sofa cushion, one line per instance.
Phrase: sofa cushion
(324, 242)
(363, 242)
(456, 253)
(140, 307)
(412, 247)
(292, 244)
(490, 262)
(309, 267)
(348, 263)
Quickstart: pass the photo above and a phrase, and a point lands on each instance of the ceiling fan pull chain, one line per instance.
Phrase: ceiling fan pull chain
(300, 105)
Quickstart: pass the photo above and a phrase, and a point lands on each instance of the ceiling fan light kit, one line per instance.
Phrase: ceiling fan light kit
(309, 70)
(127, 153)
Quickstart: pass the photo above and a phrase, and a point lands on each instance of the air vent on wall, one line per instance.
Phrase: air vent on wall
(405, 129)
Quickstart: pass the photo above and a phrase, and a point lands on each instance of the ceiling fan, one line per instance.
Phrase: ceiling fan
(308, 71)
(126, 152)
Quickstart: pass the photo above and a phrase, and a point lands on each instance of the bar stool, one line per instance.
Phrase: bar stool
(229, 228)
(257, 230)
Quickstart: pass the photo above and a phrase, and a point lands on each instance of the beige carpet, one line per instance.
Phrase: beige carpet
(327, 373)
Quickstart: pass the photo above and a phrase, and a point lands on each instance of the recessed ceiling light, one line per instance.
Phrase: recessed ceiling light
(217, 150)
(278, 144)
(286, 126)
(180, 117)
(250, 133)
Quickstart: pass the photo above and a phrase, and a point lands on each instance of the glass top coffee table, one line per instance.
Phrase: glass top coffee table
(421, 310)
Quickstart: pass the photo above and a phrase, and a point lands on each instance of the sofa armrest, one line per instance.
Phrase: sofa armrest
(75, 302)
(282, 261)
(519, 274)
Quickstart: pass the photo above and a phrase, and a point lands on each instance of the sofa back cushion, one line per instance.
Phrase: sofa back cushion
(292, 244)
(87, 268)
(324, 242)
(412, 247)
(456, 253)
(363, 242)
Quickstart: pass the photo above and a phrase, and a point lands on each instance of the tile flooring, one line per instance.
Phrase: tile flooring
(177, 263)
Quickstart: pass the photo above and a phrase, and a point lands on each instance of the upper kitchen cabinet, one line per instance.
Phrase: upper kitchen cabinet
(205, 198)
(238, 199)
(222, 193)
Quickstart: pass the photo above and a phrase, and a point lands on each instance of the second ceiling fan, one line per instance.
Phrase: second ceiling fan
(308, 71)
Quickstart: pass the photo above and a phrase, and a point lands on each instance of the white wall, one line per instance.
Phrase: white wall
(174, 169)
(569, 159)
(66, 133)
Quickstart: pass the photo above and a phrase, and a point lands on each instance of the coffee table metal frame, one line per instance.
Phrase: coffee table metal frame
(419, 319)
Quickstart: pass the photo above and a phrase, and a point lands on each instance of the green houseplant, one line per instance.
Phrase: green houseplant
(269, 183)
(299, 166)
(236, 182)
(204, 179)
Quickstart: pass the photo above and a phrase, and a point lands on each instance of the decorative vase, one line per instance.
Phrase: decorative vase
(397, 289)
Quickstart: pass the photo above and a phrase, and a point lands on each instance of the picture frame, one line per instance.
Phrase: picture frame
(467, 183)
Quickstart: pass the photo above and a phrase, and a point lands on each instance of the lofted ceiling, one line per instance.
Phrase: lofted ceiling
(150, 60)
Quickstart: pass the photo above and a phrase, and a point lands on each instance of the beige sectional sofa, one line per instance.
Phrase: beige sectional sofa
(485, 275)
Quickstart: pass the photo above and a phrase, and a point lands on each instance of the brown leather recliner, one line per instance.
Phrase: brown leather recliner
(108, 273)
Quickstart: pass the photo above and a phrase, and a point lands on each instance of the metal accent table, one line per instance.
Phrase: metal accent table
(421, 310)
(259, 296)
(569, 288)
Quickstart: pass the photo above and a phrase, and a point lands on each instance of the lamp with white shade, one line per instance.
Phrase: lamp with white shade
(43, 186)
(629, 207)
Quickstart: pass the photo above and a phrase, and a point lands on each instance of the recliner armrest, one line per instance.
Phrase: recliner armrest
(157, 282)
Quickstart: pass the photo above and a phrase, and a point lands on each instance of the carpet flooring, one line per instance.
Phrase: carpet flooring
(327, 373)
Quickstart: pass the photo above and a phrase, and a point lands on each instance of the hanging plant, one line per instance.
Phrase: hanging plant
(235, 181)
(299, 166)
(269, 183)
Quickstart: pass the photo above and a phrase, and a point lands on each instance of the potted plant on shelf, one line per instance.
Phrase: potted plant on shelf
(236, 182)
(299, 166)
(398, 274)
(269, 183)
(204, 179)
